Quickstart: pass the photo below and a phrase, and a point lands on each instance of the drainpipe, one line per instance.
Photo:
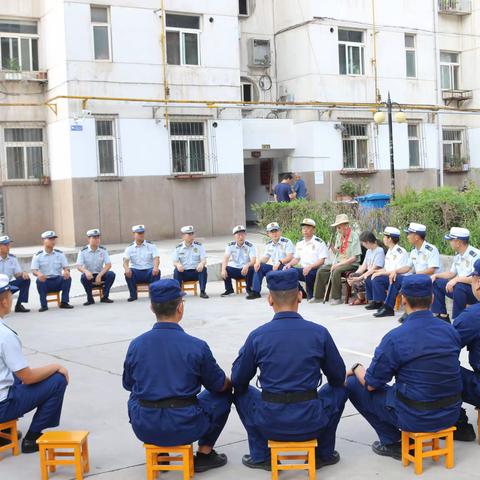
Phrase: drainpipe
(166, 89)
(438, 100)
(374, 59)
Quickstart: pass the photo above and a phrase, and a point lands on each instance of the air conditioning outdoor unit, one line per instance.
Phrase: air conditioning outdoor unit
(259, 53)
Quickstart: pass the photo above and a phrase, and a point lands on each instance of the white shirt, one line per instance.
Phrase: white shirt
(93, 260)
(463, 264)
(395, 258)
(141, 256)
(374, 258)
(189, 255)
(427, 257)
(238, 255)
(278, 251)
(49, 264)
(11, 358)
(310, 251)
(9, 266)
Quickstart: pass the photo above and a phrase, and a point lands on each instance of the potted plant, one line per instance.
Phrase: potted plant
(348, 190)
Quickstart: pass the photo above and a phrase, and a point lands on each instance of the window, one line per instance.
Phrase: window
(414, 145)
(247, 92)
(453, 148)
(449, 68)
(106, 145)
(101, 33)
(410, 55)
(351, 52)
(18, 45)
(355, 145)
(24, 153)
(183, 34)
(243, 8)
(188, 147)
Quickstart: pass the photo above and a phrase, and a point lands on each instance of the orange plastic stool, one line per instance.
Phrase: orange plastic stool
(12, 437)
(478, 424)
(301, 451)
(191, 286)
(398, 302)
(184, 458)
(240, 285)
(74, 442)
(431, 439)
(53, 297)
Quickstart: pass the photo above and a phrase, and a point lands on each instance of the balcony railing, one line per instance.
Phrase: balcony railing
(12, 76)
(455, 7)
(458, 96)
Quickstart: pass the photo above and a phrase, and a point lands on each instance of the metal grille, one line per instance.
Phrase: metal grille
(24, 153)
(106, 146)
(355, 145)
(188, 141)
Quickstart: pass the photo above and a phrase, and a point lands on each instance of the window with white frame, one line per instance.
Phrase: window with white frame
(355, 145)
(24, 152)
(410, 55)
(351, 52)
(18, 45)
(106, 145)
(101, 32)
(183, 39)
(449, 69)
(414, 143)
(243, 8)
(188, 146)
(453, 148)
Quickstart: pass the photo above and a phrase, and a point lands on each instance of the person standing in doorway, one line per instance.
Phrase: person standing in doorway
(283, 191)
(299, 188)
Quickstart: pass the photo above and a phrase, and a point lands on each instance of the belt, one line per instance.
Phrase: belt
(289, 397)
(433, 405)
(174, 402)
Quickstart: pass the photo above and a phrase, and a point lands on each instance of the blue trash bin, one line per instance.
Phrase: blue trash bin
(373, 200)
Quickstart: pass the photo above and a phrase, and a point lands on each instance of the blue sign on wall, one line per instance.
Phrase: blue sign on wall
(76, 128)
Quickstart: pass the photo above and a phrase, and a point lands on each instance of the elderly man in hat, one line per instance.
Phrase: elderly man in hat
(165, 369)
(422, 355)
(22, 388)
(310, 255)
(456, 283)
(190, 260)
(424, 259)
(95, 266)
(291, 354)
(50, 266)
(278, 253)
(347, 252)
(141, 262)
(10, 267)
(238, 261)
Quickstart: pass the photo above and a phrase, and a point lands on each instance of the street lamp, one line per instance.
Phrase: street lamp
(400, 117)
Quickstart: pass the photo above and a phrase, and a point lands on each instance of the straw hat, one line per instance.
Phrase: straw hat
(340, 219)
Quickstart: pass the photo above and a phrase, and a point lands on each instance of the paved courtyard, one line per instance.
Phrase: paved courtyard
(92, 341)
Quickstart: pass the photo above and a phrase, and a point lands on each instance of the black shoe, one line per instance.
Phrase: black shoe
(464, 431)
(206, 461)
(226, 293)
(304, 294)
(393, 450)
(445, 318)
(4, 441)
(385, 311)
(203, 295)
(247, 461)
(43, 309)
(374, 306)
(19, 308)
(29, 446)
(402, 318)
(324, 462)
(89, 302)
(132, 299)
(249, 290)
(253, 296)
(105, 300)
(66, 305)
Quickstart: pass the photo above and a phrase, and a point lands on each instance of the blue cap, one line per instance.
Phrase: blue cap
(163, 291)
(419, 285)
(282, 280)
(476, 269)
(5, 284)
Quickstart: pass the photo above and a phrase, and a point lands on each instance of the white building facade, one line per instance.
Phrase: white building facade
(88, 140)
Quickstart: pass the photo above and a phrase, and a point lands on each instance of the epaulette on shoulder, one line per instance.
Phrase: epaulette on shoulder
(102, 247)
(399, 249)
(472, 253)
(11, 255)
(317, 239)
(283, 239)
(39, 252)
(196, 243)
(133, 243)
(231, 244)
(85, 248)
(57, 250)
(248, 244)
(148, 241)
(429, 247)
(179, 245)
(269, 242)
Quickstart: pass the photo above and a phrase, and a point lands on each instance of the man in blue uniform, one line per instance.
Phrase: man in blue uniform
(422, 355)
(140, 261)
(283, 191)
(94, 264)
(467, 325)
(291, 354)
(164, 370)
(238, 261)
(10, 267)
(50, 266)
(23, 389)
(190, 260)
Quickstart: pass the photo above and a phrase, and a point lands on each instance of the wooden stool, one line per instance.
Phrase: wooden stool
(52, 441)
(12, 437)
(421, 440)
(97, 290)
(478, 424)
(53, 297)
(240, 285)
(185, 460)
(398, 302)
(288, 447)
(143, 288)
(191, 286)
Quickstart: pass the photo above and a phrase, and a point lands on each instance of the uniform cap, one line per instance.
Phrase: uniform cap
(417, 286)
(239, 228)
(271, 227)
(476, 269)
(416, 228)
(94, 232)
(308, 222)
(138, 228)
(391, 232)
(281, 280)
(5, 284)
(49, 234)
(458, 233)
(166, 290)
(5, 240)
(187, 229)
(340, 220)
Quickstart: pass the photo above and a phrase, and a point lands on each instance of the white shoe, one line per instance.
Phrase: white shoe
(336, 301)
(314, 300)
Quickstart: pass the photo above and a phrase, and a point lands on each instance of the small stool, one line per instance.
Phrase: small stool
(97, 290)
(288, 447)
(51, 442)
(191, 286)
(432, 439)
(478, 424)
(240, 285)
(143, 288)
(398, 302)
(53, 297)
(185, 460)
(12, 437)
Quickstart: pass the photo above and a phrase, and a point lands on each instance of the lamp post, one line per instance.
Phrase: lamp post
(379, 117)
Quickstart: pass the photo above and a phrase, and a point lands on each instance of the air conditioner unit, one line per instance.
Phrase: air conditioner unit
(259, 53)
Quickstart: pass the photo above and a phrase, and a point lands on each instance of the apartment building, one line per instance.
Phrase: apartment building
(87, 139)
